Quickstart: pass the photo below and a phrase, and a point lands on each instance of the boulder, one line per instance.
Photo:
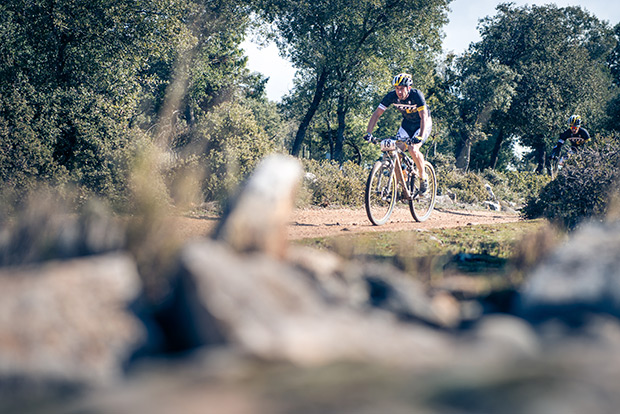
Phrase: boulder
(68, 321)
(580, 277)
(256, 218)
(272, 310)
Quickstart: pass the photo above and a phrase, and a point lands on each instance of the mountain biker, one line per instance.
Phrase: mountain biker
(416, 125)
(577, 136)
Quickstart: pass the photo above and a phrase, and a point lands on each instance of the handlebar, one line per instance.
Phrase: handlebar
(390, 144)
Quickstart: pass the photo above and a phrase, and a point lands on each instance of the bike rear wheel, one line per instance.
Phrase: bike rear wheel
(380, 196)
(421, 206)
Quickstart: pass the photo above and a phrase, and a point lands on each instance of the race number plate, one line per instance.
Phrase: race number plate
(388, 145)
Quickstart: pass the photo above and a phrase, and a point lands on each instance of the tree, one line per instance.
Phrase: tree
(487, 89)
(81, 82)
(613, 108)
(336, 44)
(69, 86)
(560, 55)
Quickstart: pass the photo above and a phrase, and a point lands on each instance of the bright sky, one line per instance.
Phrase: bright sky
(460, 32)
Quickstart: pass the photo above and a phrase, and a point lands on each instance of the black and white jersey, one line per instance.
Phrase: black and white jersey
(581, 133)
(409, 107)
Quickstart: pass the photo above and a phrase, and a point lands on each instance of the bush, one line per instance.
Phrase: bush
(582, 188)
(515, 186)
(468, 187)
(65, 138)
(330, 184)
(221, 151)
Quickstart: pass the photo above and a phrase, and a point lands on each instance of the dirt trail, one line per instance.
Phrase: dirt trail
(322, 222)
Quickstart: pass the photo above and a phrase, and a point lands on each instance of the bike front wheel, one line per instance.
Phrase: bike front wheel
(380, 195)
(554, 167)
(421, 206)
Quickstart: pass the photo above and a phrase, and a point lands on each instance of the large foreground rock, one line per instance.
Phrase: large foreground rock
(257, 218)
(68, 322)
(581, 277)
(272, 310)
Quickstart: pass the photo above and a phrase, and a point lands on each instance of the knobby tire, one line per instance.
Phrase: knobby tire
(380, 197)
(421, 206)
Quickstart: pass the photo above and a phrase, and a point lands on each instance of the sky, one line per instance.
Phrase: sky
(459, 33)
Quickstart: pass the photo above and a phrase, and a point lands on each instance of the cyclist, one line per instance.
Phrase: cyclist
(416, 125)
(577, 136)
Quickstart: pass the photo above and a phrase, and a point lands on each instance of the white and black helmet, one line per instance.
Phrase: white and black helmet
(574, 121)
(402, 79)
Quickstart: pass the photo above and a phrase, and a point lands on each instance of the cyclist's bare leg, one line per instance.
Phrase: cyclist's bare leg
(418, 158)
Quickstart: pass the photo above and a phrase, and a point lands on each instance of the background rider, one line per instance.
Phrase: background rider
(574, 131)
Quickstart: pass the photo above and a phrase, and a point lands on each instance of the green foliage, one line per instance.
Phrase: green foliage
(582, 189)
(69, 86)
(330, 184)
(518, 77)
(468, 187)
(223, 149)
(78, 79)
(515, 186)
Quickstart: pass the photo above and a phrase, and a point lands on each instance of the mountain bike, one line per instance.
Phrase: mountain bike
(394, 177)
(556, 163)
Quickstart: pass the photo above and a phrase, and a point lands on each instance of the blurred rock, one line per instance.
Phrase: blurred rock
(489, 189)
(272, 310)
(256, 219)
(491, 205)
(254, 326)
(68, 321)
(43, 231)
(447, 308)
(581, 276)
(504, 337)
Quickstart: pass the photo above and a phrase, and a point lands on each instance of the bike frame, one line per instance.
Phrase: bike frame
(566, 152)
(393, 150)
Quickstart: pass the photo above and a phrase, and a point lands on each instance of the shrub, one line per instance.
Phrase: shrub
(468, 187)
(582, 188)
(515, 186)
(65, 137)
(221, 151)
(330, 184)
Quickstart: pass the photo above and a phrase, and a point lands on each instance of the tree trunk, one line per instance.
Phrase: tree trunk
(496, 148)
(356, 149)
(464, 154)
(541, 156)
(303, 127)
(342, 112)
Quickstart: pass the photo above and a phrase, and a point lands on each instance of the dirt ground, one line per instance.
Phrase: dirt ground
(323, 222)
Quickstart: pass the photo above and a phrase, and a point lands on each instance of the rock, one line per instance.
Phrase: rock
(40, 233)
(509, 207)
(492, 205)
(447, 309)
(506, 336)
(272, 310)
(444, 200)
(256, 218)
(489, 189)
(68, 321)
(579, 277)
